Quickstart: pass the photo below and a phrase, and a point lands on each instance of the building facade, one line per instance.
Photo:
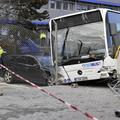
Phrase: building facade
(62, 7)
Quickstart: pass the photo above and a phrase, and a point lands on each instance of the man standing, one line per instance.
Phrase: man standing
(1, 53)
(42, 35)
(1, 61)
(42, 38)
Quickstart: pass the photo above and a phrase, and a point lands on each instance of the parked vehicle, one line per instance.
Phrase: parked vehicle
(24, 54)
(30, 67)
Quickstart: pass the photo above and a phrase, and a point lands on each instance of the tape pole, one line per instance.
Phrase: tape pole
(117, 52)
(88, 115)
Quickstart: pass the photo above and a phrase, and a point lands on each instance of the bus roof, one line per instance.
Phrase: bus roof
(73, 19)
(81, 12)
(67, 20)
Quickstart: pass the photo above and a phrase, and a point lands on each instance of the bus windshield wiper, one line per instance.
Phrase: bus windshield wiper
(80, 46)
(64, 42)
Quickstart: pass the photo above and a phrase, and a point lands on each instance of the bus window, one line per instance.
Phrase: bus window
(113, 31)
(89, 35)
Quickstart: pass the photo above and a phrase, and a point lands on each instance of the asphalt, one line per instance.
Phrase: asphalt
(23, 102)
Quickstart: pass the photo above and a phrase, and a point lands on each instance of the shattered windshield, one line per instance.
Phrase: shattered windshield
(90, 35)
(80, 39)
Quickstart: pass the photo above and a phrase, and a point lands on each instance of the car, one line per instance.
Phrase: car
(35, 68)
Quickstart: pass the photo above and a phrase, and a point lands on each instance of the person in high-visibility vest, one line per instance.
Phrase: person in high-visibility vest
(1, 51)
(43, 38)
(1, 61)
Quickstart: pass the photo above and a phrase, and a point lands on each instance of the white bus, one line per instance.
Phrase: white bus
(85, 45)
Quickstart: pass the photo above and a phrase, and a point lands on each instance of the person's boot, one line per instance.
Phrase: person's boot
(117, 113)
(1, 94)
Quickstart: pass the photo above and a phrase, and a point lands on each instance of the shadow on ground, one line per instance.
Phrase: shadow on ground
(94, 83)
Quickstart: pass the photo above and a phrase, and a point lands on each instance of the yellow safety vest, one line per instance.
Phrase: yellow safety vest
(117, 52)
(1, 51)
(42, 36)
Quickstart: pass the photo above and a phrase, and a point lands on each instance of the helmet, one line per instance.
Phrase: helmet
(42, 35)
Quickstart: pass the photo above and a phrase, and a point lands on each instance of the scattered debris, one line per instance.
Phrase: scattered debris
(115, 86)
(74, 85)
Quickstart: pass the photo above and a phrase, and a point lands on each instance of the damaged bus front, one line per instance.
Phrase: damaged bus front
(82, 47)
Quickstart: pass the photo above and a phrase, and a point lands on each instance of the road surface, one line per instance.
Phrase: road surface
(23, 102)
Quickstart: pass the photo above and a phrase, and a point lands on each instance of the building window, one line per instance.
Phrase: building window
(58, 4)
(52, 4)
(117, 8)
(83, 7)
(78, 7)
(71, 6)
(91, 7)
(65, 5)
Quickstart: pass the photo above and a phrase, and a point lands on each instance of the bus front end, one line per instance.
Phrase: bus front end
(80, 47)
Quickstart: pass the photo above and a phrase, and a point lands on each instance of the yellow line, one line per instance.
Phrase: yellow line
(117, 52)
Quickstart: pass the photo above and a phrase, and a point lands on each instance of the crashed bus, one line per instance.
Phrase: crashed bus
(85, 46)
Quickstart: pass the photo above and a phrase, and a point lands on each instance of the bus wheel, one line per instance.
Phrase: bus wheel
(8, 77)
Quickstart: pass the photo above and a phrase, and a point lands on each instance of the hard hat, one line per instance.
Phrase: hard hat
(1, 51)
(42, 35)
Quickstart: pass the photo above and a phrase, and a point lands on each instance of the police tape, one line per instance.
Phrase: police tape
(89, 116)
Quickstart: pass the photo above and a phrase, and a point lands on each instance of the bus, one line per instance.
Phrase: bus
(85, 46)
(26, 54)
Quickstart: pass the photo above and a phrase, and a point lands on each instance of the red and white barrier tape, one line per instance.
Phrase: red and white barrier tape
(89, 116)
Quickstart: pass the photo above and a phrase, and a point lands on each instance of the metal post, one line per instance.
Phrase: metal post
(56, 53)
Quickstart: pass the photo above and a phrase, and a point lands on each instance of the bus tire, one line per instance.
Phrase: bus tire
(8, 77)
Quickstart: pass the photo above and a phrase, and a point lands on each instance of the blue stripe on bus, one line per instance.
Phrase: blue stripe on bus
(101, 2)
(7, 21)
(40, 22)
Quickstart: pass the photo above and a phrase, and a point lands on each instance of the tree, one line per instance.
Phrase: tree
(29, 10)
(25, 10)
